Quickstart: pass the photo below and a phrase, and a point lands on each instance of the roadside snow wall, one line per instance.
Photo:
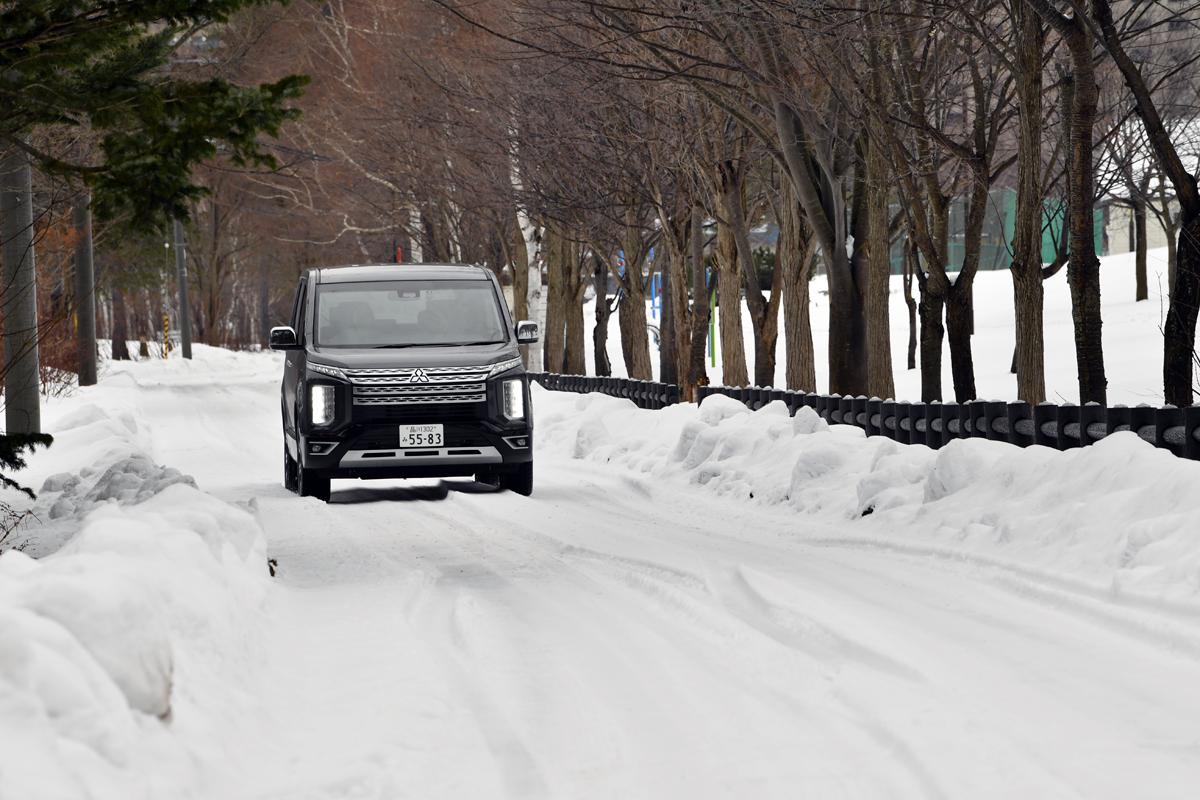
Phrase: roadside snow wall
(1119, 516)
(139, 613)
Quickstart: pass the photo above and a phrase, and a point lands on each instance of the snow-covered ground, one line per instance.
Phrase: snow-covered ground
(692, 604)
(1132, 337)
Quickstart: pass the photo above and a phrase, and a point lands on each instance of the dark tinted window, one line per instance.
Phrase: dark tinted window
(408, 313)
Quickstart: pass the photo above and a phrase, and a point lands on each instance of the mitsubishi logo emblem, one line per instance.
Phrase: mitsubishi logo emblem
(418, 376)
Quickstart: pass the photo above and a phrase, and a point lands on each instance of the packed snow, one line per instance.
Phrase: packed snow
(696, 602)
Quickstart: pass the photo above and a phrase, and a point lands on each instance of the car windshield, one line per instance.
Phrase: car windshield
(408, 313)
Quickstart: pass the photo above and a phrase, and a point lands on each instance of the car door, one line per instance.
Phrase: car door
(293, 365)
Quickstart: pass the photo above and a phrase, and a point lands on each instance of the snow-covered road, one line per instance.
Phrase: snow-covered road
(615, 636)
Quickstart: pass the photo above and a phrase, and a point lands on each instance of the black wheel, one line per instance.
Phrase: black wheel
(313, 485)
(519, 479)
(290, 470)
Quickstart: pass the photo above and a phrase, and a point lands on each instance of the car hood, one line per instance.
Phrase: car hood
(407, 357)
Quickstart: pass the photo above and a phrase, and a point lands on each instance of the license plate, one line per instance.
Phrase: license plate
(422, 436)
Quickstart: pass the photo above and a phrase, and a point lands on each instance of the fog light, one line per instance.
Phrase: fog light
(513, 397)
(322, 397)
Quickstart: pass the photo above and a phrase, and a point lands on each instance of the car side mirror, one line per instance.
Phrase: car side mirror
(527, 332)
(283, 338)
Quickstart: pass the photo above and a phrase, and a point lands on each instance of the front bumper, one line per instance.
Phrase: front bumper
(365, 443)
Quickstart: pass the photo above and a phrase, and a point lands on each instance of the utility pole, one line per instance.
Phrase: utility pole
(185, 321)
(85, 291)
(22, 401)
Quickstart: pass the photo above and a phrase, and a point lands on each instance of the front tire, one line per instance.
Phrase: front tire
(310, 484)
(519, 479)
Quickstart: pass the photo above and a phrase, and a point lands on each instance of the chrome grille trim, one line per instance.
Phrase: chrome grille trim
(379, 387)
(418, 389)
(399, 400)
(434, 374)
(439, 370)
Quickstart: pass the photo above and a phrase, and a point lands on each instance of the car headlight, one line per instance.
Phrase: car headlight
(504, 366)
(322, 398)
(325, 369)
(512, 396)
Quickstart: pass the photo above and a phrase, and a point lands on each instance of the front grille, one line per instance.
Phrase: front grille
(419, 386)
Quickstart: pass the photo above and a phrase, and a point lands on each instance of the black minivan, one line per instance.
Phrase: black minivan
(404, 371)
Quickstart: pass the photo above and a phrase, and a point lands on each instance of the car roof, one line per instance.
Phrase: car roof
(358, 273)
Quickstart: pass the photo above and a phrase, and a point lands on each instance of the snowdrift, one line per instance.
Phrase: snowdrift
(142, 607)
(1121, 516)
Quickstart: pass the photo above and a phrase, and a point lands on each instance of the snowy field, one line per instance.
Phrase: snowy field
(695, 603)
(1132, 337)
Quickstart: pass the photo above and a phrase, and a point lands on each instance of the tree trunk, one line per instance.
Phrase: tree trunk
(85, 291)
(264, 305)
(603, 311)
(1026, 267)
(933, 288)
(535, 303)
(910, 268)
(631, 316)
(764, 313)
(1172, 232)
(880, 382)
(673, 343)
(820, 198)
(1139, 233)
(960, 321)
(1083, 266)
(930, 307)
(573, 349)
(729, 309)
(573, 358)
(681, 314)
(766, 333)
(520, 276)
(958, 329)
(667, 361)
(794, 260)
(696, 375)
(847, 336)
(555, 330)
(181, 280)
(1179, 333)
(22, 377)
(120, 327)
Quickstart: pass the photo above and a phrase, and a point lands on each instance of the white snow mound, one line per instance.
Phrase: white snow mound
(1121, 516)
(114, 636)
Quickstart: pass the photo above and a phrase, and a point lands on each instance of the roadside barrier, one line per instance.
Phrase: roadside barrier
(932, 424)
(644, 394)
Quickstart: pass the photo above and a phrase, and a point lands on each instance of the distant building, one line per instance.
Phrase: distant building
(1119, 229)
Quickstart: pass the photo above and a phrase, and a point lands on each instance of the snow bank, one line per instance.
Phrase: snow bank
(1121, 516)
(132, 623)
